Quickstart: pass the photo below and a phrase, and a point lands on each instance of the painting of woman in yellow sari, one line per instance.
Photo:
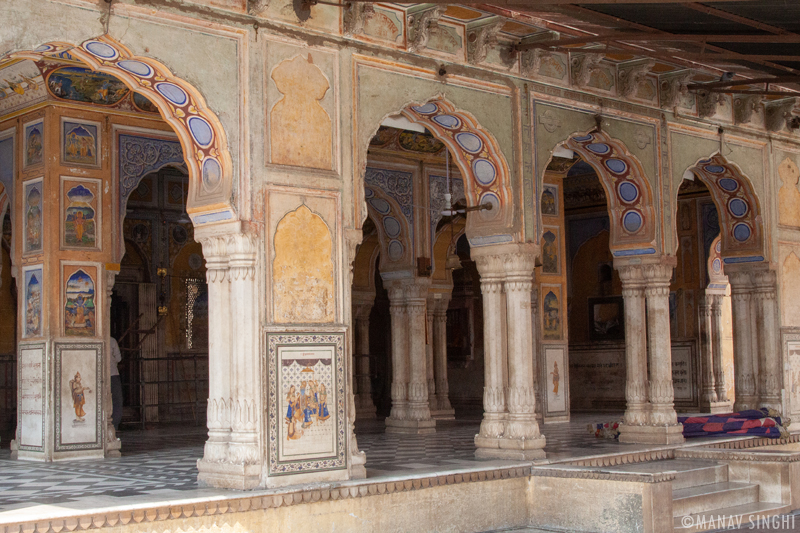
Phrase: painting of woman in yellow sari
(78, 396)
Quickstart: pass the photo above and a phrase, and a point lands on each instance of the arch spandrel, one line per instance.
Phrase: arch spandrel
(487, 176)
(200, 132)
(397, 247)
(628, 194)
(741, 224)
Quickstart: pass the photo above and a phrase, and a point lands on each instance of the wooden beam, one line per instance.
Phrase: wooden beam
(660, 37)
(692, 56)
(736, 18)
(751, 81)
(758, 92)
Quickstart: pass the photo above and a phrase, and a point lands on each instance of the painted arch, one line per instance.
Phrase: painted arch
(199, 130)
(487, 177)
(628, 193)
(741, 224)
(395, 234)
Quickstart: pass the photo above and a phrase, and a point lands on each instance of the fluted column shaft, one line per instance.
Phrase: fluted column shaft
(244, 446)
(429, 348)
(440, 356)
(494, 398)
(416, 304)
(399, 319)
(635, 346)
(705, 312)
(720, 386)
(662, 410)
(769, 357)
(745, 384)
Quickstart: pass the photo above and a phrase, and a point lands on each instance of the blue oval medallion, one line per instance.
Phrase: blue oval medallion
(212, 174)
(136, 67)
(599, 148)
(173, 93)
(469, 142)
(632, 221)
(484, 171)
(584, 138)
(741, 232)
(100, 49)
(201, 131)
(728, 184)
(737, 207)
(716, 266)
(617, 166)
(628, 191)
(448, 121)
(392, 226)
(714, 169)
(395, 250)
(380, 205)
(426, 109)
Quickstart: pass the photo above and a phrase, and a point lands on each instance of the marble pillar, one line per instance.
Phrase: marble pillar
(743, 360)
(232, 455)
(358, 459)
(365, 407)
(709, 393)
(768, 338)
(720, 386)
(431, 305)
(444, 411)
(637, 405)
(410, 359)
(509, 428)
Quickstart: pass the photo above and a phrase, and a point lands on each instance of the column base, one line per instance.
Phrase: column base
(716, 407)
(227, 475)
(411, 427)
(443, 414)
(651, 434)
(113, 448)
(358, 469)
(503, 448)
(365, 411)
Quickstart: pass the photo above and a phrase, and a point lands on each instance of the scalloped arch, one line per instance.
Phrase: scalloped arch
(200, 132)
(628, 193)
(741, 224)
(397, 251)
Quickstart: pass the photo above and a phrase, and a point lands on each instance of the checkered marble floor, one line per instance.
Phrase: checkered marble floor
(162, 463)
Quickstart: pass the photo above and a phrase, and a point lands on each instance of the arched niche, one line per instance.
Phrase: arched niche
(199, 131)
(394, 230)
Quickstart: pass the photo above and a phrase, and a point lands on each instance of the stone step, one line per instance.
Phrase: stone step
(702, 498)
(741, 516)
(696, 472)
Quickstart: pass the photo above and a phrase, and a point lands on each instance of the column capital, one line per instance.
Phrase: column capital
(659, 273)
(505, 260)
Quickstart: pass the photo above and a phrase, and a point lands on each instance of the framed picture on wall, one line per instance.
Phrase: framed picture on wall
(606, 318)
(80, 142)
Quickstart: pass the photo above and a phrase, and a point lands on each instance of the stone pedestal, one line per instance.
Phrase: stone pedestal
(509, 428)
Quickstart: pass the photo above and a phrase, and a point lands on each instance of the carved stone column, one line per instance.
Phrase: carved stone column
(709, 394)
(365, 407)
(399, 319)
(720, 386)
(431, 305)
(637, 408)
(444, 411)
(232, 453)
(358, 459)
(418, 414)
(769, 356)
(745, 384)
(522, 436)
(112, 444)
(536, 355)
(493, 425)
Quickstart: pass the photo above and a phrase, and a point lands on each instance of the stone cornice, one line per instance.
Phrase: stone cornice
(628, 477)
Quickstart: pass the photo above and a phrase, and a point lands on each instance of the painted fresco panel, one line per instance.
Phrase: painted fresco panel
(549, 204)
(31, 393)
(80, 84)
(80, 142)
(80, 302)
(307, 398)
(789, 194)
(34, 144)
(555, 382)
(7, 167)
(23, 87)
(33, 218)
(552, 317)
(303, 269)
(81, 213)
(34, 282)
(78, 371)
(551, 247)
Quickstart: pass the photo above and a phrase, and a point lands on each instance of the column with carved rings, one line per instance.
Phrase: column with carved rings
(399, 325)
(637, 407)
(743, 334)
(769, 356)
(418, 419)
(444, 411)
(709, 394)
(720, 386)
(429, 347)
(231, 457)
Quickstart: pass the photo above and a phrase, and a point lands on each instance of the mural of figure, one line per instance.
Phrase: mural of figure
(79, 223)
(79, 312)
(549, 253)
(34, 149)
(292, 415)
(78, 396)
(33, 218)
(33, 302)
(552, 317)
(549, 202)
(300, 128)
(556, 378)
(79, 144)
(323, 413)
(789, 195)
